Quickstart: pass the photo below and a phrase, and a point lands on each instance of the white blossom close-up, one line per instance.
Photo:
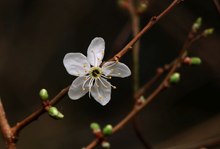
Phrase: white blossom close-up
(91, 75)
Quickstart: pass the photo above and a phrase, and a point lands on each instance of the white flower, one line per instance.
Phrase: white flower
(92, 77)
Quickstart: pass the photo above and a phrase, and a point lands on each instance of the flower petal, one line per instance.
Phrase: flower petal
(101, 91)
(76, 64)
(96, 51)
(76, 89)
(116, 69)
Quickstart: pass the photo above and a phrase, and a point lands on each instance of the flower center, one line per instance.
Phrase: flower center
(95, 72)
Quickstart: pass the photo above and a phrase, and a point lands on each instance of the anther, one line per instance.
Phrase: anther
(114, 87)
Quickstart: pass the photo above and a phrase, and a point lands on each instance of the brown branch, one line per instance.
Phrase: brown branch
(35, 115)
(148, 26)
(6, 129)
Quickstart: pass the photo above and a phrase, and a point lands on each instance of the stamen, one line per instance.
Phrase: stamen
(96, 83)
(106, 77)
(114, 87)
(102, 83)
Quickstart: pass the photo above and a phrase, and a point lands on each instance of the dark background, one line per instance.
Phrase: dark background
(36, 34)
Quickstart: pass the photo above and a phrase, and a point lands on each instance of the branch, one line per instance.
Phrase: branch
(216, 2)
(6, 129)
(148, 26)
(35, 115)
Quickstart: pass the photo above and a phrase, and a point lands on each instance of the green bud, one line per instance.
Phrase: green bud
(175, 78)
(95, 126)
(142, 6)
(208, 32)
(197, 24)
(52, 111)
(105, 144)
(196, 61)
(107, 130)
(60, 116)
(43, 94)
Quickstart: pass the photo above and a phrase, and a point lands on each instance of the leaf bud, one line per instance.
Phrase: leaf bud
(208, 32)
(105, 145)
(197, 24)
(107, 130)
(175, 77)
(55, 113)
(196, 61)
(95, 126)
(43, 94)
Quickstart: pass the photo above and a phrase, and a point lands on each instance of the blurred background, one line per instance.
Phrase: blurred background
(36, 34)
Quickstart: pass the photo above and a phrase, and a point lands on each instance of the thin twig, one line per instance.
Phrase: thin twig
(5, 129)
